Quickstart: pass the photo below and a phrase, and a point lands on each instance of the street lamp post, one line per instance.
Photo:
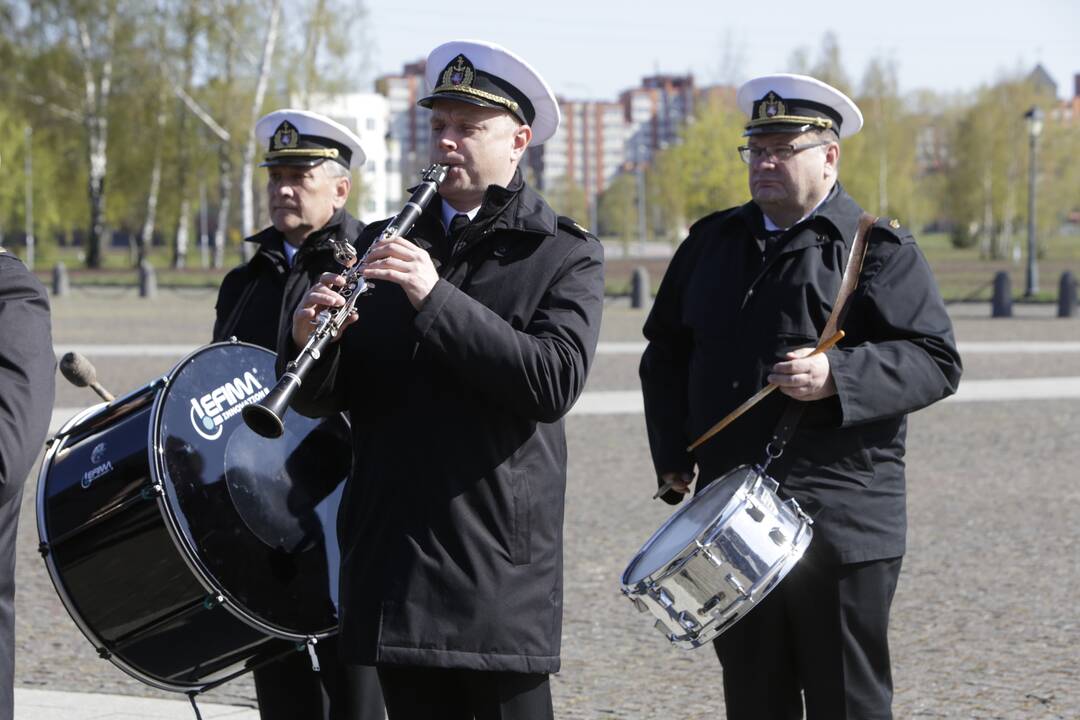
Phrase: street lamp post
(1034, 118)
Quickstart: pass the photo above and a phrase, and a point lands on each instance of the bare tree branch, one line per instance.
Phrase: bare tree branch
(196, 109)
(53, 107)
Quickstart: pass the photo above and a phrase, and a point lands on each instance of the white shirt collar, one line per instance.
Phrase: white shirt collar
(448, 213)
(770, 226)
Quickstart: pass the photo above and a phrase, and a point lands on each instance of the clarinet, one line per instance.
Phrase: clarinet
(265, 416)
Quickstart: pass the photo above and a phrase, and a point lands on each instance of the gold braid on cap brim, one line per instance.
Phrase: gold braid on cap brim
(491, 97)
(303, 152)
(824, 123)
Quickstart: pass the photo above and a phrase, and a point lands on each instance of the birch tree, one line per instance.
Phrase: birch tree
(262, 76)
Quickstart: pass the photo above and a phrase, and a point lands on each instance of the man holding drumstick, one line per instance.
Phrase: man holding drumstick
(742, 305)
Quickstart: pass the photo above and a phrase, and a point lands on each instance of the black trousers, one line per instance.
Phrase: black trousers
(288, 689)
(820, 637)
(420, 693)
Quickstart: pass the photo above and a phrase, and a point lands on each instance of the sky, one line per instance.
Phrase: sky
(594, 49)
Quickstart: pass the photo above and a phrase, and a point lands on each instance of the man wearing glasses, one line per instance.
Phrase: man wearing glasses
(742, 304)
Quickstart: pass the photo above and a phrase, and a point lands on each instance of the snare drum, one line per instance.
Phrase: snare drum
(187, 548)
(717, 556)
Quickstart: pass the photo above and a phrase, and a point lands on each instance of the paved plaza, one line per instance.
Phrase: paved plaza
(986, 622)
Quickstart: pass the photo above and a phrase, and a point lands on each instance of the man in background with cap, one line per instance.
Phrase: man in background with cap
(743, 304)
(458, 373)
(27, 387)
(309, 158)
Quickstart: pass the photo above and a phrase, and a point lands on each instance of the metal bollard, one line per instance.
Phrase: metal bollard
(1067, 295)
(60, 284)
(1001, 304)
(147, 280)
(639, 288)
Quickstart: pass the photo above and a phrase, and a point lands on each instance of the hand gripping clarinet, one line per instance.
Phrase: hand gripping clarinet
(265, 417)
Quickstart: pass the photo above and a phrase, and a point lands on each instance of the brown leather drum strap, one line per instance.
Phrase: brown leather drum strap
(794, 410)
(851, 276)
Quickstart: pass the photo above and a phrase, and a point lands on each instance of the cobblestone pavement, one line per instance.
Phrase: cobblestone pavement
(985, 622)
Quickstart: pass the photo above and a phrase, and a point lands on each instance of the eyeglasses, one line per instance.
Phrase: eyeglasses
(776, 153)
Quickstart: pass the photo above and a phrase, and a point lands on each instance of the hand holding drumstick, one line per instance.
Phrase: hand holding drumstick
(805, 375)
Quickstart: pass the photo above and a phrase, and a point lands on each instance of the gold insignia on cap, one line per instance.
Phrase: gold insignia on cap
(771, 106)
(894, 223)
(771, 109)
(458, 74)
(285, 142)
(458, 77)
(285, 137)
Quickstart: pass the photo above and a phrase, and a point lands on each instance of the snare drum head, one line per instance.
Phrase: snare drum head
(255, 516)
(705, 509)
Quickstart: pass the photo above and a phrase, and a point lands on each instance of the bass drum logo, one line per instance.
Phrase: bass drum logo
(210, 411)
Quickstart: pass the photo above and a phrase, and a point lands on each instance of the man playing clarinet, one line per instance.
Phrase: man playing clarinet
(457, 374)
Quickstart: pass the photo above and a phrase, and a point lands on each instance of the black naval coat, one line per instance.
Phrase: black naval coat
(731, 305)
(255, 303)
(252, 296)
(451, 525)
(27, 390)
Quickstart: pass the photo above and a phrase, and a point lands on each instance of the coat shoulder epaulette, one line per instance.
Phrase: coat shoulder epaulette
(890, 229)
(569, 225)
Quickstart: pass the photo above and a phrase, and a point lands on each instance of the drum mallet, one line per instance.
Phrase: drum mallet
(80, 372)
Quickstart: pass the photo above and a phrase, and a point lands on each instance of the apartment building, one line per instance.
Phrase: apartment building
(408, 122)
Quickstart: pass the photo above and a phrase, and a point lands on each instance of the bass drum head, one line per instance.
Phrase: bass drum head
(700, 512)
(255, 516)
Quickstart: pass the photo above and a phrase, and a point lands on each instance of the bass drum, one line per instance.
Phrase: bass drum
(187, 548)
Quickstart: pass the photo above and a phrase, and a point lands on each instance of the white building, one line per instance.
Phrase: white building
(377, 185)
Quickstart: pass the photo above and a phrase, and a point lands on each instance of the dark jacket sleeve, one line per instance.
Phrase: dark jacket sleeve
(664, 368)
(322, 391)
(232, 287)
(27, 371)
(538, 371)
(909, 358)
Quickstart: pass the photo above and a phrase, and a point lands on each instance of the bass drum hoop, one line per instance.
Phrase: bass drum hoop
(56, 444)
(187, 552)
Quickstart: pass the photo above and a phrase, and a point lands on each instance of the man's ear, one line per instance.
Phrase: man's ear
(342, 186)
(522, 136)
(832, 159)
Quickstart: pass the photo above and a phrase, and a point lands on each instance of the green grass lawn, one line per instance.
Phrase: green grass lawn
(960, 273)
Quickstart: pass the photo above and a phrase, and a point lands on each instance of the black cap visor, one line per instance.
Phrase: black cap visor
(295, 161)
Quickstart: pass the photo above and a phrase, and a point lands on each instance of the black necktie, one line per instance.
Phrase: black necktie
(771, 242)
(456, 225)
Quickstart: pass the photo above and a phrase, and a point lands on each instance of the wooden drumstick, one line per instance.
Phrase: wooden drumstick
(757, 397)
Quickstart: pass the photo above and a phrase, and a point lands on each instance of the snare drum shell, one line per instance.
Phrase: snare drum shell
(751, 543)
